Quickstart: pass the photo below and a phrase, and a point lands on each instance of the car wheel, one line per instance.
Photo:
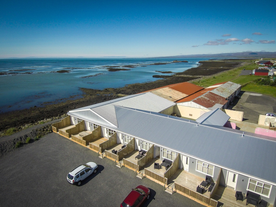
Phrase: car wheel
(79, 183)
(95, 171)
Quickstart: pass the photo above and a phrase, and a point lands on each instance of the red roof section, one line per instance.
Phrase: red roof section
(184, 87)
(209, 99)
(195, 95)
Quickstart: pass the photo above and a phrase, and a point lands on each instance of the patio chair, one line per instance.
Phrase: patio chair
(209, 179)
(262, 203)
(199, 189)
(156, 166)
(211, 187)
(239, 195)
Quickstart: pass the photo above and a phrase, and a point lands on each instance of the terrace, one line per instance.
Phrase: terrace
(161, 170)
(136, 160)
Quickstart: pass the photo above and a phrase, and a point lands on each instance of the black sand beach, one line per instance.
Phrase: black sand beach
(17, 119)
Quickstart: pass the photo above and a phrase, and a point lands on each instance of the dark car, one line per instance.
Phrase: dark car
(136, 197)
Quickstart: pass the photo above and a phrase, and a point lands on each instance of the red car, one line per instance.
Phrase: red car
(136, 197)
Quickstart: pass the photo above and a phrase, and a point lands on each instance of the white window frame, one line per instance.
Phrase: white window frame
(93, 126)
(144, 145)
(168, 154)
(77, 120)
(126, 139)
(204, 165)
(109, 132)
(259, 184)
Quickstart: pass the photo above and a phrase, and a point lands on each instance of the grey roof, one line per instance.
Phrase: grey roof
(215, 117)
(227, 89)
(105, 111)
(247, 154)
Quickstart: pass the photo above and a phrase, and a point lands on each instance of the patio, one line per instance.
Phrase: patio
(226, 197)
(188, 180)
(95, 145)
(83, 137)
(161, 170)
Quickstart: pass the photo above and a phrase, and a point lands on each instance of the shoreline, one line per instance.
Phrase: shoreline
(20, 119)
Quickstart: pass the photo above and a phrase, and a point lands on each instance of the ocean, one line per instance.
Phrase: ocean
(31, 82)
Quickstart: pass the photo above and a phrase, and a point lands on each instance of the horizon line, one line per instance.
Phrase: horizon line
(121, 56)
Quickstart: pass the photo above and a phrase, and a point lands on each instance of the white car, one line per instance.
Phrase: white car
(80, 173)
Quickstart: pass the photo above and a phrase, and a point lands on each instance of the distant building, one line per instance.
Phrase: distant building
(261, 72)
(265, 63)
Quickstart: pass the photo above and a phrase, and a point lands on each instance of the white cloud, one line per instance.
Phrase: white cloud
(217, 42)
(226, 35)
(232, 39)
(247, 41)
(257, 33)
(222, 41)
(195, 45)
(267, 41)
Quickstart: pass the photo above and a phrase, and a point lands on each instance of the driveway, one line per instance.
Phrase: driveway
(35, 175)
(254, 104)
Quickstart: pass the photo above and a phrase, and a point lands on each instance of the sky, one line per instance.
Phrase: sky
(119, 28)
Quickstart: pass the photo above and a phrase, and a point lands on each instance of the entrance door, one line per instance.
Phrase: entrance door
(185, 162)
(232, 180)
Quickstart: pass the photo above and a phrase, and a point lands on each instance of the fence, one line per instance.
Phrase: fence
(94, 147)
(196, 195)
(130, 165)
(155, 176)
(63, 123)
(79, 140)
(111, 155)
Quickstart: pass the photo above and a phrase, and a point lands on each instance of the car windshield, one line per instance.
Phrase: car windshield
(140, 191)
(70, 176)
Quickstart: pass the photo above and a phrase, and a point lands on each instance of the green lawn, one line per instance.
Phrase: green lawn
(233, 75)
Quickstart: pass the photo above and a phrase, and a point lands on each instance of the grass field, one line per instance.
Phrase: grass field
(247, 81)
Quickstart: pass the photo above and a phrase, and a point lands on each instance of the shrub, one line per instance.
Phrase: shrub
(10, 131)
(37, 137)
(18, 144)
(27, 140)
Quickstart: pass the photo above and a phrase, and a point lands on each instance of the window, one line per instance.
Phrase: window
(168, 154)
(144, 145)
(109, 132)
(259, 187)
(234, 178)
(77, 120)
(82, 173)
(204, 168)
(126, 138)
(93, 126)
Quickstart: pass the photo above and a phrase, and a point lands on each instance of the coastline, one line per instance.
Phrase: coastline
(53, 110)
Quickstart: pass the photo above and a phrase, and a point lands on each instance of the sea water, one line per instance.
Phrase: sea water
(26, 83)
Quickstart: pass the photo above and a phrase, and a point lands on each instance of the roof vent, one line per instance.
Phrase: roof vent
(243, 134)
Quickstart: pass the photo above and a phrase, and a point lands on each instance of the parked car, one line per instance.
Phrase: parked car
(136, 197)
(270, 114)
(81, 172)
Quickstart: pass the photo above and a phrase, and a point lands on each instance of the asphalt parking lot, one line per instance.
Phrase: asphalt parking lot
(254, 104)
(35, 175)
